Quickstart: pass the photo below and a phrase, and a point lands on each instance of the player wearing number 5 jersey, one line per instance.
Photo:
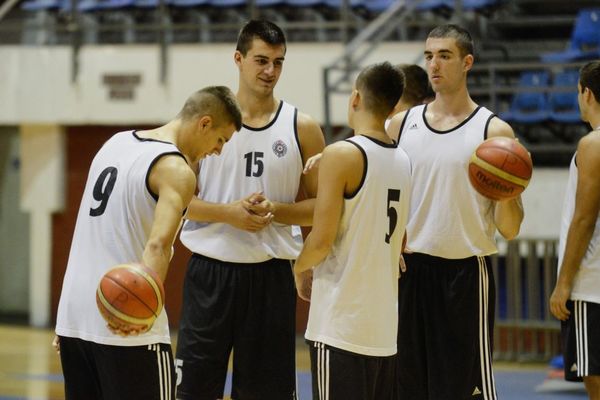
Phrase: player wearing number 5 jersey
(138, 186)
(354, 247)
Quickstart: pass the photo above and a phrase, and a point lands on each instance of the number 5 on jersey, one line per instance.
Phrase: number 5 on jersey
(392, 197)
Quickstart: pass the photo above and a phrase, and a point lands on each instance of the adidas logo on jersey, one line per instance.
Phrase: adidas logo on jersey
(574, 367)
(414, 126)
(476, 391)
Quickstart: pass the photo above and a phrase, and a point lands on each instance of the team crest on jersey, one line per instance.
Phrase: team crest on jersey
(279, 148)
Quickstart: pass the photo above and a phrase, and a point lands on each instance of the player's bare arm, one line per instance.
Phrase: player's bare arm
(174, 182)
(508, 214)
(338, 175)
(587, 206)
(312, 142)
(393, 129)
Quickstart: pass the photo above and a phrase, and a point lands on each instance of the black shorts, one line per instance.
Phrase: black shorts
(95, 371)
(342, 375)
(581, 341)
(445, 328)
(250, 308)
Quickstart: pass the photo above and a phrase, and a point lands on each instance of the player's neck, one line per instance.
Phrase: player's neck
(257, 111)
(165, 133)
(453, 104)
(373, 129)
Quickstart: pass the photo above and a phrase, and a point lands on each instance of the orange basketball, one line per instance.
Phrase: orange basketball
(130, 296)
(500, 168)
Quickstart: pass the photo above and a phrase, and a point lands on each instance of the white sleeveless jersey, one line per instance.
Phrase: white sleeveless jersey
(448, 218)
(355, 289)
(113, 225)
(587, 280)
(264, 159)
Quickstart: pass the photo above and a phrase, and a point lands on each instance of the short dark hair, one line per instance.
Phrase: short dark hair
(463, 38)
(264, 30)
(416, 84)
(381, 86)
(217, 101)
(589, 77)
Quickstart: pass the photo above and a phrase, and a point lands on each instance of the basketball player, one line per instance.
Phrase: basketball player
(138, 187)
(446, 296)
(354, 248)
(239, 288)
(416, 91)
(576, 298)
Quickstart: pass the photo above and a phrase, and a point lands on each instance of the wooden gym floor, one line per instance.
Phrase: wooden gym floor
(30, 370)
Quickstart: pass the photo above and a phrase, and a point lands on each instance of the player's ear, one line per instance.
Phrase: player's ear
(237, 57)
(355, 98)
(468, 62)
(205, 122)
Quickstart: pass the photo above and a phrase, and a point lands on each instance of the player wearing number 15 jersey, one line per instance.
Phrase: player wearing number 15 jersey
(239, 288)
(359, 222)
(138, 186)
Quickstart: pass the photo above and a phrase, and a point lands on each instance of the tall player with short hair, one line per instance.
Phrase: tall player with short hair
(354, 248)
(138, 187)
(239, 288)
(446, 302)
(576, 298)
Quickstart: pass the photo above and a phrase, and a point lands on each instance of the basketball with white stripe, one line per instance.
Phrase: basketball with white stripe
(500, 168)
(131, 296)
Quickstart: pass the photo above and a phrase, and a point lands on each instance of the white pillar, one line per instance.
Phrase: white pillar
(42, 193)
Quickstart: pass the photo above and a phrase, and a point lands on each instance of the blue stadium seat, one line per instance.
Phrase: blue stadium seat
(477, 5)
(39, 5)
(435, 5)
(114, 4)
(189, 3)
(585, 39)
(529, 107)
(564, 107)
(377, 6)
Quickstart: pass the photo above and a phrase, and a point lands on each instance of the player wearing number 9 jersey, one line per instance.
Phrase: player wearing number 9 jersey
(138, 186)
(359, 222)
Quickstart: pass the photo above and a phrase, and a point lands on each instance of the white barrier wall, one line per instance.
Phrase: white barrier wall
(35, 82)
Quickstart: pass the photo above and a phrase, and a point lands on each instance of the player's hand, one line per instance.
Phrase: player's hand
(304, 284)
(56, 344)
(558, 302)
(402, 265)
(312, 163)
(125, 330)
(242, 218)
(260, 206)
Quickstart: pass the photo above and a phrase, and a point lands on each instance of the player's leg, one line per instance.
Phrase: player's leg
(136, 372)
(592, 386)
(205, 329)
(79, 370)
(411, 381)
(581, 345)
(461, 301)
(264, 356)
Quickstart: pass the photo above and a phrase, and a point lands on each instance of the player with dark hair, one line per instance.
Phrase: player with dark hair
(446, 296)
(243, 229)
(354, 248)
(576, 298)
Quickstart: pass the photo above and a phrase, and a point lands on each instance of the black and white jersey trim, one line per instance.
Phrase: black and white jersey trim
(164, 371)
(581, 339)
(485, 349)
(322, 370)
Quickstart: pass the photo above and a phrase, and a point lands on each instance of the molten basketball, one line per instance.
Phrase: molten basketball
(130, 296)
(500, 168)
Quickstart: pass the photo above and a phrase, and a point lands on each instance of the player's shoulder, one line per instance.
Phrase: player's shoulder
(306, 122)
(499, 127)
(592, 140)
(176, 167)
